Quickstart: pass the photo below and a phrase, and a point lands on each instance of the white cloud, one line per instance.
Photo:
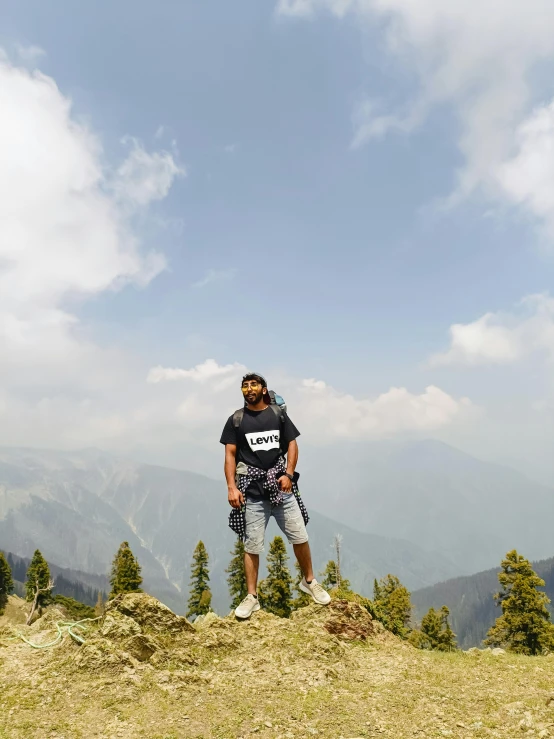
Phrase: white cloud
(527, 178)
(370, 123)
(476, 56)
(207, 371)
(144, 177)
(322, 412)
(216, 275)
(29, 55)
(65, 235)
(328, 413)
(503, 338)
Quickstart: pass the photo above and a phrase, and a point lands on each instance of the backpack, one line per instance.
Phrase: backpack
(276, 403)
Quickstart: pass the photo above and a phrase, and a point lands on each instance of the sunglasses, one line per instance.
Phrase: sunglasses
(250, 386)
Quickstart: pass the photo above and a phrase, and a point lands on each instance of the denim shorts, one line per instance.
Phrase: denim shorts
(288, 517)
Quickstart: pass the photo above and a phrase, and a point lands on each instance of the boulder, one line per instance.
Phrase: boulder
(118, 626)
(205, 621)
(100, 654)
(348, 620)
(149, 613)
(140, 646)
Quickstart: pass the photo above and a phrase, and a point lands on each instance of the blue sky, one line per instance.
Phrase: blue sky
(330, 260)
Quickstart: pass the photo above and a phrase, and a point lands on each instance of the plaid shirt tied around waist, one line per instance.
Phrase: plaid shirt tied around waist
(245, 476)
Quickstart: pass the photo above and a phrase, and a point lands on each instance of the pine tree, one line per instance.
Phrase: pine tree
(6, 582)
(447, 641)
(200, 595)
(302, 599)
(435, 632)
(524, 626)
(39, 584)
(330, 580)
(236, 575)
(391, 601)
(125, 576)
(275, 592)
(329, 575)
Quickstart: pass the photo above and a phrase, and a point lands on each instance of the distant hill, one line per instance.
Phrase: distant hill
(78, 507)
(470, 600)
(82, 586)
(434, 495)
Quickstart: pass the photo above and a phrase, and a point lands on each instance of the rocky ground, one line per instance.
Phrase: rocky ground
(327, 672)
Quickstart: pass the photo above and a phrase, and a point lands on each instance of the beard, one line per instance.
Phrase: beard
(254, 398)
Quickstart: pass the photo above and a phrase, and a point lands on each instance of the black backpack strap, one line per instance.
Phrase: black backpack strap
(239, 415)
(278, 412)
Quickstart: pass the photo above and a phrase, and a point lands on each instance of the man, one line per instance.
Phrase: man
(260, 485)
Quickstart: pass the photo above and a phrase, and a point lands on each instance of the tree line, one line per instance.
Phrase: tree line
(524, 626)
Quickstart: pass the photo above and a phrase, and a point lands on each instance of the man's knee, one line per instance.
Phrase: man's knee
(293, 524)
(254, 541)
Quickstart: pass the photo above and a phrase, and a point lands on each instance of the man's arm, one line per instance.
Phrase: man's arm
(234, 496)
(292, 459)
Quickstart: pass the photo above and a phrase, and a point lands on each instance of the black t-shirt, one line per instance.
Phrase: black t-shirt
(260, 439)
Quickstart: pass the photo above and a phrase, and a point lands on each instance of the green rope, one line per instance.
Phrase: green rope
(63, 627)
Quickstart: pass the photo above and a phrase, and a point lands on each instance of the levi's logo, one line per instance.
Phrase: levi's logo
(263, 441)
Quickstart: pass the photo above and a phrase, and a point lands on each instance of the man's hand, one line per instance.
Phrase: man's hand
(285, 484)
(235, 497)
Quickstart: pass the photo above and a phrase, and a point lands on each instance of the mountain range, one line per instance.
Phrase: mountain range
(430, 493)
(423, 511)
(470, 599)
(77, 507)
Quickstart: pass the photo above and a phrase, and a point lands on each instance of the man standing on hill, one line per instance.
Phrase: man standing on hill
(261, 484)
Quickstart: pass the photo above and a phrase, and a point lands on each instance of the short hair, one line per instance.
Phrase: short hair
(254, 376)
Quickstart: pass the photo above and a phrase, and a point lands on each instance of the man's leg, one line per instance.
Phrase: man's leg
(289, 519)
(251, 567)
(304, 557)
(257, 516)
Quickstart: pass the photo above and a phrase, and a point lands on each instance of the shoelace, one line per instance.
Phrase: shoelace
(317, 588)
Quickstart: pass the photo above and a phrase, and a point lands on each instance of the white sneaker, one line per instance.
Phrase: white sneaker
(319, 594)
(247, 607)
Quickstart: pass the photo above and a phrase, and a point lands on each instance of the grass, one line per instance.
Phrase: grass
(276, 679)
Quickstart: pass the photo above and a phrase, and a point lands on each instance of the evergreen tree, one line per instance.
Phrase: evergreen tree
(447, 642)
(275, 592)
(302, 599)
(524, 626)
(435, 632)
(38, 586)
(236, 575)
(200, 595)
(18, 567)
(38, 577)
(125, 576)
(330, 580)
(329, 575)
(391, 601)
(6, 582)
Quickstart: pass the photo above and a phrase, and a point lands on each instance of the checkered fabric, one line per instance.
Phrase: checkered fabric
(237, 517)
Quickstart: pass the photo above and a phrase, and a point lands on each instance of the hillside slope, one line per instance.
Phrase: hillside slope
(471, 603)
(327, 672)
